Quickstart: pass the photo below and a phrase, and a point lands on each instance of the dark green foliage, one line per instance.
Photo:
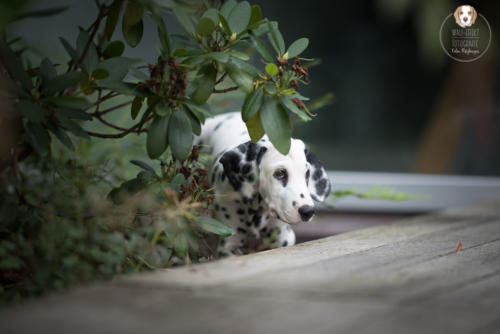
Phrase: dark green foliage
(64, 218)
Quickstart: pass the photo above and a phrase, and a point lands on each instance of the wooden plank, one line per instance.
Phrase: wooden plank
(403, 278)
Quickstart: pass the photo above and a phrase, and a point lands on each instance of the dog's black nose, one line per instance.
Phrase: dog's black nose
(306, 212)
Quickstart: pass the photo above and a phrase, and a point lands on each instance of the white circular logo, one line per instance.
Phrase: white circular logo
(465, 35)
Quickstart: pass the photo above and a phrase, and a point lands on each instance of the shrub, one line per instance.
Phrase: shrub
(69, 216)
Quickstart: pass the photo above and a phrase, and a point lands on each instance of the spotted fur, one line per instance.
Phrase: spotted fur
(251, 192)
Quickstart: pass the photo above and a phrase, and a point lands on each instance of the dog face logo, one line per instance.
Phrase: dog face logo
(465, 16)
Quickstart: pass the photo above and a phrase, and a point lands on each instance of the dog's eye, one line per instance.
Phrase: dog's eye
(461, 13)
(280, 174)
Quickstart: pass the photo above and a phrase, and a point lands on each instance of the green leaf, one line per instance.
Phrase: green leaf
(239, 17)
(261, 48)
(33, 112)
(136, 106)
(276, 39)
(270, 88)
(62, 82)
(76, 114)
(321, 101)
(205, 82)
(287, 102)
(99, 74)
(199, 111)
(218, 56)
(242, 79)
(117, 68)
(224, 24)
(161, 109)
(276, 124)
(71, 126)
(15, 66)
(212, 14)
(145, 166)
(214, 226)
(195, 122)
(69, 49)
(245, 67)
(252, 104)
(271, 69)
(112, 18)
(38, 137)
(114, 49)
(205, 26)
(47, 71)
(254, 127)
(177, 181)
(157, 140)
(240, 55)
(180, 135)
(133, 13)
(42, 12)
(163, 35)
(297, 47)
(61, 135)
(91, 58)
(180, 52)
(133, 34)
(71, 102)
(256, 15)
(184, 20)
(227, 7)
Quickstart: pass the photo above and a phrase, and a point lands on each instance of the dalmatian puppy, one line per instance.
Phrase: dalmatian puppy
(259, 191)
(465, 16)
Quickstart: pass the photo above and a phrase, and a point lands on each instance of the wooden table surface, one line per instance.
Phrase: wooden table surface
(406, 277)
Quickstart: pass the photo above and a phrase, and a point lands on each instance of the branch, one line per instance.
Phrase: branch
(134, 129)
(225, 90)
(105, 111)
(221, 78)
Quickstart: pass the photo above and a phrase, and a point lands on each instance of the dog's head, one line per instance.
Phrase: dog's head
(289, 184)
(465, 16)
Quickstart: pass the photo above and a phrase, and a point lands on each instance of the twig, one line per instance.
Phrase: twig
(105, 111)
(225, 90)
(221, 78)
(133, 129)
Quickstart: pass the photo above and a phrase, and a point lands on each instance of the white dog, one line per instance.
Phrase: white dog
(258, 190)
(465, 16)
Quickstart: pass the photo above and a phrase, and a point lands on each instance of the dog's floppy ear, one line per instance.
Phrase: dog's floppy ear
(456, 14)
(317, 179)
(474, 15)
(240, 166)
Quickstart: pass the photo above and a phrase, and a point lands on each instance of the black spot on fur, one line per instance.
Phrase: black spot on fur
(217, 207)
(227, 216)
(250, 178)
(242, 148)
(223, 209)
(308, 173)
(213, 178)
(248, 223)
(241, 230)
(294, 203)
(312, 159)
(218, 126)
(317, 174)
(320, 187)
(285, 243)
(252, 151)
(231, 162)
(236, 201)
(256, 220)
(261, 154)
(251, 211)
(240, 211)
(301, 195)
(246, 169)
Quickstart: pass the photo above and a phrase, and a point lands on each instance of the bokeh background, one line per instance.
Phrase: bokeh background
(401, 105)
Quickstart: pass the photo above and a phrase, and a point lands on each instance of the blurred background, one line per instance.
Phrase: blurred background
(401, 105)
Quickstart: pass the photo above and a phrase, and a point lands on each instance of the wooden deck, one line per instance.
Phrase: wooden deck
(405, 277)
